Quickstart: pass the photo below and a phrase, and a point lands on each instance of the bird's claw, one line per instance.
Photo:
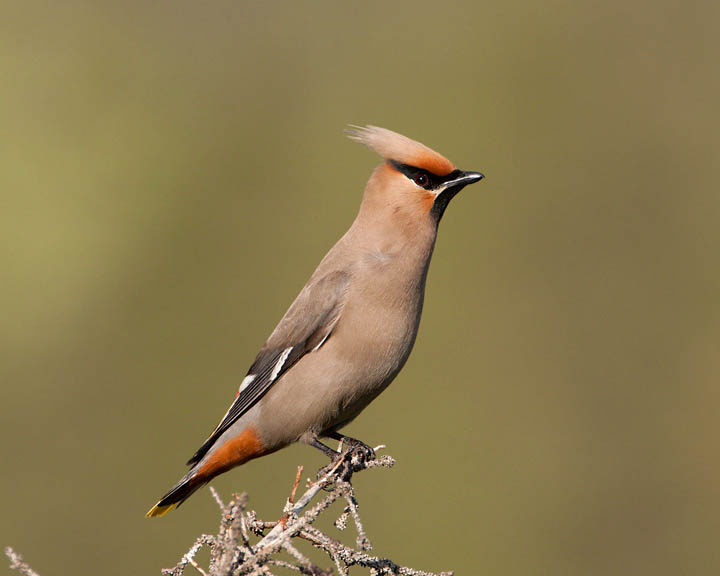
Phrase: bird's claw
(353, 457)
(358, 449)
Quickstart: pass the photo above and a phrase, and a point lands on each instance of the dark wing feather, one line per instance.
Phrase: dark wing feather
(304, 328)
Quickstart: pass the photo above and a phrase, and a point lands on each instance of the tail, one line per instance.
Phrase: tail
(177, 494)
(232, 452)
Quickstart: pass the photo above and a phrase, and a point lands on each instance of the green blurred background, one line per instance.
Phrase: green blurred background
(171, 173)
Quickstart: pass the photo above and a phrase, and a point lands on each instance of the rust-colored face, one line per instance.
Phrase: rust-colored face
(418, 178)
(433, 191)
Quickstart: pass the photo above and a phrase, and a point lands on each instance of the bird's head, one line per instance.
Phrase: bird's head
(414, 179)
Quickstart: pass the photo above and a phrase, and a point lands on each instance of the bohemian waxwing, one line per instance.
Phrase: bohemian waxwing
(351, 328)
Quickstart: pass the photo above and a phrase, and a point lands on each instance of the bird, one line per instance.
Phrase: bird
(351, 328)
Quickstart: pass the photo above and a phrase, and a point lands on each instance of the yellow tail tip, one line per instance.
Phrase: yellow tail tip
(160, 510)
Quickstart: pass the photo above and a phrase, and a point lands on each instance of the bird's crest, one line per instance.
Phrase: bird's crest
(393, 146)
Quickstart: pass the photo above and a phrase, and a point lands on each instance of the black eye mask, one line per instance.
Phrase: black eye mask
(432, 181)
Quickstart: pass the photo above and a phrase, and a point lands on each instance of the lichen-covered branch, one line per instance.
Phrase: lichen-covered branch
(247, 546)
(17, 563)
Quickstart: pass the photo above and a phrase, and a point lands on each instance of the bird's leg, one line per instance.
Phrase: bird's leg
(329, 452)
(353, 444)
(337, 459)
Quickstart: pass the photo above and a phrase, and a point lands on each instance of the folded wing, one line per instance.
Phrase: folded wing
(303, 330)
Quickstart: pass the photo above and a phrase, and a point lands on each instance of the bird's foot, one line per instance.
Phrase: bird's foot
(358, 447)
(352, 457)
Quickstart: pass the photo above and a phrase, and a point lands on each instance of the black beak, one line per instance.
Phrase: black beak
(455, 182)
(464, 178)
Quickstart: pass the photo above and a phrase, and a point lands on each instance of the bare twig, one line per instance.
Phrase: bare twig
(295, 484)
(234, 554)
(17, 563)
(217, 498)
(198, 567)
(189, 556)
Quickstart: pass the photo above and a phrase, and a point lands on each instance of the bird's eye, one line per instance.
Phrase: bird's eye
(421, 179)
